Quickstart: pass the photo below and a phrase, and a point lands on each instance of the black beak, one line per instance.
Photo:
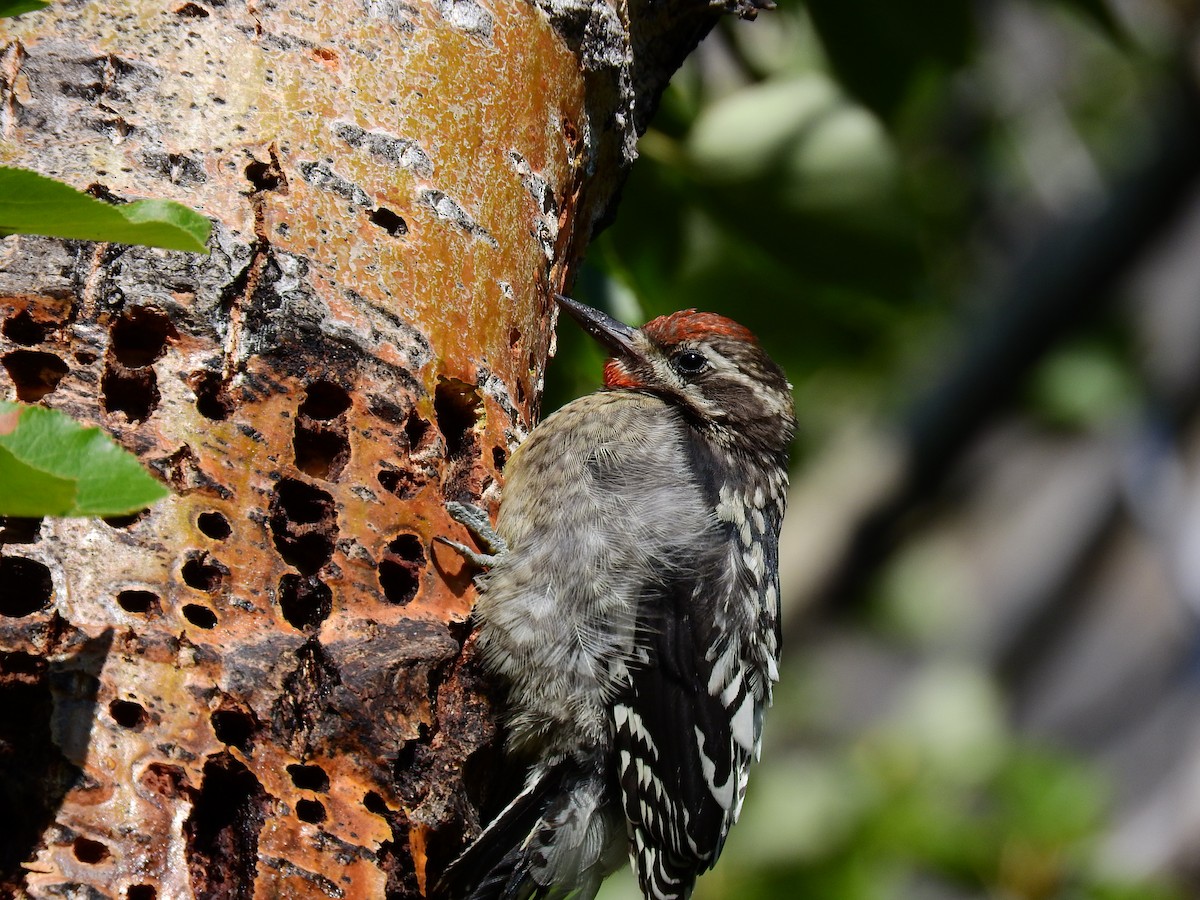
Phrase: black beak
(611, 334)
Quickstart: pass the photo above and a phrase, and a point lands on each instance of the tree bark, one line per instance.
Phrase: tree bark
(259, 687)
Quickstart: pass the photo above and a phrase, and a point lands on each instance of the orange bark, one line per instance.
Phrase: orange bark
(258, 688)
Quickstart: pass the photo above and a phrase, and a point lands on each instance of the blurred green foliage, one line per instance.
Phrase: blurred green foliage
(844, 177)
(848, 178)
(938, 800)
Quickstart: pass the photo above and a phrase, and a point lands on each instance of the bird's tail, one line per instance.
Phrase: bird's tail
(557, 839)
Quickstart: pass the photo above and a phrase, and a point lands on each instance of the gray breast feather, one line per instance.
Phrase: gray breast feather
(599, 507)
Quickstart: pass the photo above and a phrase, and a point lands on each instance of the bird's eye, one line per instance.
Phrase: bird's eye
(690, 362)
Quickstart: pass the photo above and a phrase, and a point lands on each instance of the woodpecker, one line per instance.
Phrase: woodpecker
(629, 604)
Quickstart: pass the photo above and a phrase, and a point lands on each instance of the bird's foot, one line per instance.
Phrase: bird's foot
(476, 521)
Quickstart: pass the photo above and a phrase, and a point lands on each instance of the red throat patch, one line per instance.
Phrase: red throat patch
(616, 376)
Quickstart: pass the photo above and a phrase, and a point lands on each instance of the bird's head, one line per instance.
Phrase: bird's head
(710, 367)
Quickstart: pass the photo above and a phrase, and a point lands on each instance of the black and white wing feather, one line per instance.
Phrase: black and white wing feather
(684, 736)
(690, 723)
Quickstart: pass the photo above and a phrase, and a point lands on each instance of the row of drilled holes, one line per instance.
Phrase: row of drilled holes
(321, 449)
(233, 727)
(129, 384)
(29, 587)
(94, 853)
(140, 336)
(303, 519)
(304, 600)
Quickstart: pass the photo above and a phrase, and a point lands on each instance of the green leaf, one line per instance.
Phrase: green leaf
(24, 491)
(16, 7)
(34, 204)
(50, 466)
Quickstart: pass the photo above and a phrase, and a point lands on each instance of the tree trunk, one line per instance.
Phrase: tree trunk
(259, 687)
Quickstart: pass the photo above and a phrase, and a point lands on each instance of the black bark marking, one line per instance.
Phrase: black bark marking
(222, 831)
(304, 706)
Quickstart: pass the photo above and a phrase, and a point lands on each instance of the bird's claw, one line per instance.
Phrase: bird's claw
(476, 521)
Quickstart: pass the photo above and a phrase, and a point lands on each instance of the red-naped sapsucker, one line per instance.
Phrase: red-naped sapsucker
(631, 608)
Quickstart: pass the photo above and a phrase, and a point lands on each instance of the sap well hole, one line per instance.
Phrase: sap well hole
(233, 727)
(303, 524)
(138, 602)
(24, 329)
(309, 778)
(415, 429)
(389, 222)
(400, 482)
(204, 573)
(324, 400)
(304, 600)
(265, 176)
(302, 503)
(212, 395)
(19, 530)
(34, 373)
(126, 521)
(213, 525)
(133, 392)
(458, 407)
(200, 616)
(88, 851)
(311, 811)
(322, 449)
(400, 569)
(140, 336)
(28, 587)
(128, 714)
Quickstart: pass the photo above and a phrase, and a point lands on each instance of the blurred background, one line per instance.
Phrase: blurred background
(971, 234)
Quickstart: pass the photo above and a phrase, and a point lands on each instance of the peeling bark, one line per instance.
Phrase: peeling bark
(264, 686)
